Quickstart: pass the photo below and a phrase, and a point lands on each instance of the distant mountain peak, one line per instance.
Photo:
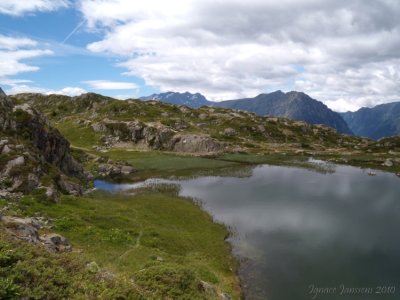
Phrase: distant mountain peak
(186, 98)
(293, 105)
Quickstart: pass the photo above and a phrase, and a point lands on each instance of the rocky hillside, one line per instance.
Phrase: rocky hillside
(375, 123)
(192, 100)
(34, 156)
(151, 125)
(292, 105)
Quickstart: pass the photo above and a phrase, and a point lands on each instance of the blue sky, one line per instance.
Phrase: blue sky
(341, 52)
(70, 65)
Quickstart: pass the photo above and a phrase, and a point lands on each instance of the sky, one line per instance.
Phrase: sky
(345, 53)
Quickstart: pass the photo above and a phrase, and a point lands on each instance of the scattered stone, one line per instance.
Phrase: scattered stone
(184, 109)
(55, 242)
(261, 128)
(224, 296)
(93, 267)
(388, 163)
(3, 142)
(52, 193)
(230, 132)
(203, 116)
(20, 160)
(207, 288)
(127, 170)
(69, 187)
(115, 170)
(32, 182)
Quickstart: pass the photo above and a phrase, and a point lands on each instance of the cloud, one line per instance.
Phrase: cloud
(13, 43)
(18, 7)
(344, 53)
(22, 88)
(110, 85)
(13, 50)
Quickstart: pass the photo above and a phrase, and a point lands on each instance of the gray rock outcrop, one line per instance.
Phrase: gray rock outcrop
(158, 137)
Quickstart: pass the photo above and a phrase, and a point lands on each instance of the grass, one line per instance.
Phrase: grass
(78, 135)
(153, 232)
(159, 164)
(29, 272)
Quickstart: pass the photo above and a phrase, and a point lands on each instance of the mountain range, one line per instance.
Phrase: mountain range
(376, 122)
(292, 105)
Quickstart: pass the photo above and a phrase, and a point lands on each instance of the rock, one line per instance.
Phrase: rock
(109, 170)
(261, 128)
(93, 267)
(6, 150)
(3, 143)
(203, 116)
(32, 182)
(115, 170)
(230, 132)
(69, 187)
(52, 193)
(55, 242)
(184, 109)
(127, 170)
(99, 127)
(20, 160)
(224, 296)
(24, 229)
(388, 163)
(207, 288)
(196, 144)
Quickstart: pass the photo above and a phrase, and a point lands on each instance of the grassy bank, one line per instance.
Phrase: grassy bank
(164, 243)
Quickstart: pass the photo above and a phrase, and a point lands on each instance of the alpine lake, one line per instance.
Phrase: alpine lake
(303, 233)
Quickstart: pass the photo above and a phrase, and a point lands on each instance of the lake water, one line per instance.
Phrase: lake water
(307, 235)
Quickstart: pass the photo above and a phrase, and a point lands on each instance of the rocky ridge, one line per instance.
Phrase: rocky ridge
(34, 156)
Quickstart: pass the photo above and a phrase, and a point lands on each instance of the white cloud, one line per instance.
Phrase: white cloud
(344, 53)
(22, 88)
(13, 50)
(110, 85)
(13, 43)
(20, 7)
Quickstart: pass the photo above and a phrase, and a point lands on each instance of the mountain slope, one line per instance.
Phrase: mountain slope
(188, 99)
(153, 125)
(292, 105)
(377, 122)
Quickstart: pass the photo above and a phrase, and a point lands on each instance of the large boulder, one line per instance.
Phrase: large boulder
(24, 229)
(196, 144)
